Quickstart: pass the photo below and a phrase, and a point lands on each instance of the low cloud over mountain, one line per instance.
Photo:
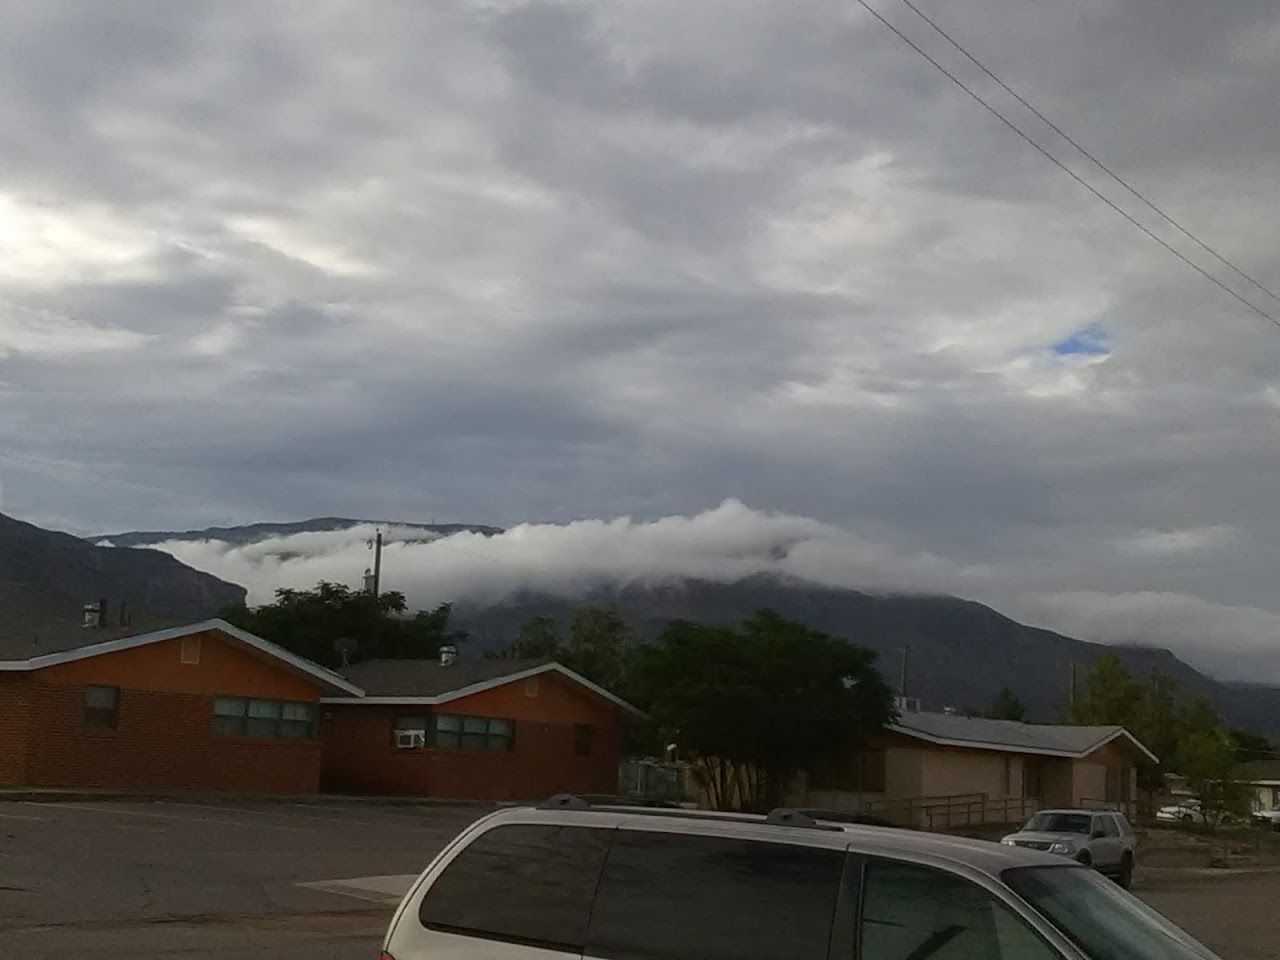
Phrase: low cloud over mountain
(727, 544)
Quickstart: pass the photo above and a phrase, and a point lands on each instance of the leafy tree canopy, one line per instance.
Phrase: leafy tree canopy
(1006, 706)
(600, 645)
(1252, 746)
(758, 703)
(314, 623)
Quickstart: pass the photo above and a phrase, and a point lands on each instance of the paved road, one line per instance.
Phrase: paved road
(81, 881)
(143, 880)
(1235, 914)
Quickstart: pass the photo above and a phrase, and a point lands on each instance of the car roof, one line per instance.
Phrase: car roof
(877, 841)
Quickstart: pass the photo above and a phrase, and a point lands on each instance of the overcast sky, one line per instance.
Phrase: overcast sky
(501, 262)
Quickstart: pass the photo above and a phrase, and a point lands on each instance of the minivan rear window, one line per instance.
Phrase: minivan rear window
(668, 896)
(523, 883)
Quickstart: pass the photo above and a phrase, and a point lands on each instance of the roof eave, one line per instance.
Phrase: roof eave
(1016, 748)
(299, 665)
(483, 685)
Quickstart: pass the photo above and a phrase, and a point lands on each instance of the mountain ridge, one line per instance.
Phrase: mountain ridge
(47, 577)
(253, 532)
(962, 651)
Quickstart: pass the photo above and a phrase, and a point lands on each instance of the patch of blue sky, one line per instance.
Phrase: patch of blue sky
(1088, 341)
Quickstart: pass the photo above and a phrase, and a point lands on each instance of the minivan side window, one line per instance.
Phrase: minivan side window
(524, 883)
(913, 913)
(670, 896)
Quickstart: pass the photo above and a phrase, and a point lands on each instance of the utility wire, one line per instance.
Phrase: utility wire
(1063, 167)
(1101, 166)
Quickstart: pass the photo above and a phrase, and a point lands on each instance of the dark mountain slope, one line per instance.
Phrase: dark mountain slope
(962, 652)
(47, 577)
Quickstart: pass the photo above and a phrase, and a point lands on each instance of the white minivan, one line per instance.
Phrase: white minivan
(571, 880)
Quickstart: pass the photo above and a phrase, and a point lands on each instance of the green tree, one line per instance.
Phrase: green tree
(1006, 706)
(1208, 760)
(1154, 721)
(600, 645)
(1251, 746)
(1107, 695)
(312, 623)
(1207, 757)
(754, 705)
(538, 639)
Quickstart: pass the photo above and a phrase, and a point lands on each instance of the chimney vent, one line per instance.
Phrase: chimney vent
(90, 616)
(448, 655)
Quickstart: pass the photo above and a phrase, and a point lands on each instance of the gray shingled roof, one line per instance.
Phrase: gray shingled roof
(426, 678)
(59, 639)
(1052, 739)
(1256, 771)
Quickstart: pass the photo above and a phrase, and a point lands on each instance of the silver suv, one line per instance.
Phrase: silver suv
(1101, 839)
(572, 880)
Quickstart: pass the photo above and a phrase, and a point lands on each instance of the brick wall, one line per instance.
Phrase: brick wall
(162, 741)
(14, 698)
(360, 755)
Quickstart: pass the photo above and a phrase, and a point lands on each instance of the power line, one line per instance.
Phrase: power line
(1063, 167)
(1101, 166)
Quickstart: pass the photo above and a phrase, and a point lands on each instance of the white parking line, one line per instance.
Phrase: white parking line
(19, 816)
(387, 889)
(168, 816)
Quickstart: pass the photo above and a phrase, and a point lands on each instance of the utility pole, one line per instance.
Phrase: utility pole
(377, 563)
(1071, 693)
(902, 687)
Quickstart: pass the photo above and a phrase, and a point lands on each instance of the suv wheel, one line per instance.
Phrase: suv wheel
(1125, 876)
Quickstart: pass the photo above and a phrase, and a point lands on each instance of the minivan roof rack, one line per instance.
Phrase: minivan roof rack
(781, 817)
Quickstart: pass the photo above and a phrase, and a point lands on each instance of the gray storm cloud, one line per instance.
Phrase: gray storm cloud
(508, 260)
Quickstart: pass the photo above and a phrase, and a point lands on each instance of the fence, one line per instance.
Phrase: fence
(955, 810)
(653, 780)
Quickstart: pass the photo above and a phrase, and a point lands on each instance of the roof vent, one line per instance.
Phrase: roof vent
(907, 704)
(448, 655)
(95, 614)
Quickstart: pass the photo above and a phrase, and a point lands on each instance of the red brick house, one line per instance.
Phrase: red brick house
(482, 729)
(205, 706)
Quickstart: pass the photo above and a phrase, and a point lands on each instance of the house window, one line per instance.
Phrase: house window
(189, 651)
(101, 707)
(583, 735)
(244, 717)
(473, 733)
(1275, 798)
(410, 732)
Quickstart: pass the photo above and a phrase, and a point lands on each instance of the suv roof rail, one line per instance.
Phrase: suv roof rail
(574, 801)
(781, 817)
(846, 816)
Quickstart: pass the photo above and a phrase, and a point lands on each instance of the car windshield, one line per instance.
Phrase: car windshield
(1104, 921)
(1059, 823)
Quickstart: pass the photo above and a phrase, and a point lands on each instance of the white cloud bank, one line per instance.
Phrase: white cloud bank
(727, 543)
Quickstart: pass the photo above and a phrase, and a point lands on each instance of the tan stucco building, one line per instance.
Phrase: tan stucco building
(1262, 778)
(942, 769)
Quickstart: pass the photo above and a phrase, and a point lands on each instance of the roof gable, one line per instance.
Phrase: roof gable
(1012, 736)
(427, 682)
(291, 661)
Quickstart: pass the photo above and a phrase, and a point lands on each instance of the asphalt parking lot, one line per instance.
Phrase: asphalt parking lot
(318, 880)
(157, 879)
